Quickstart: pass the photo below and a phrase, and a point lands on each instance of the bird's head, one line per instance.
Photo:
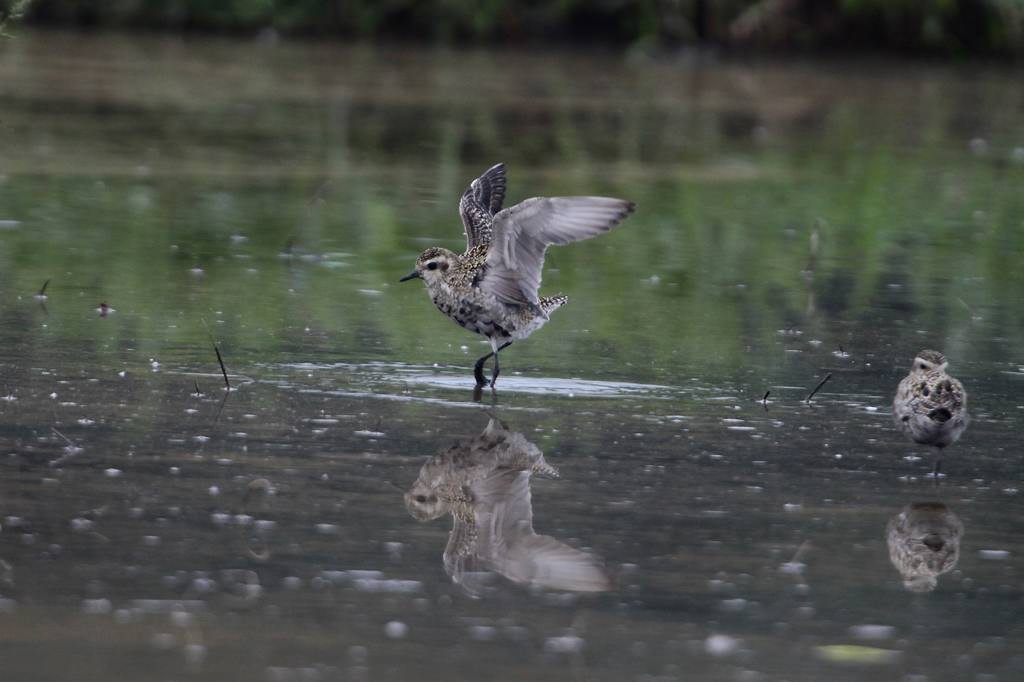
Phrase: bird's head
(929, 361)
(424, 504)
(432, 265)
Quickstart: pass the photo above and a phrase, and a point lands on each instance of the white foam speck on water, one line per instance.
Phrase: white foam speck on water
(387, 585)
(396, 629)
(872, 632)
(482, 633)
(566, 644)
(994, 554)
(721, 645)
(96, 606)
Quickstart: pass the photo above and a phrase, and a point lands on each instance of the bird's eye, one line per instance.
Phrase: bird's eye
(432, 265)
(421, 499)
(922, 366)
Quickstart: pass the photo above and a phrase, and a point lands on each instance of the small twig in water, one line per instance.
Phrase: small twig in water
(223, 402)
(223, 370)
(764, 400)
(66, 439)
(818, 387)
(70, 450)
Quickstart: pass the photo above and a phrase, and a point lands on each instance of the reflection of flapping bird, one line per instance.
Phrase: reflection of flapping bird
(931, 406)
(485, 486)
(924, 543)
(493, 288)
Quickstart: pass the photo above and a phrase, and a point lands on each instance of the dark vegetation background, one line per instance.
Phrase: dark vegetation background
(955, 27)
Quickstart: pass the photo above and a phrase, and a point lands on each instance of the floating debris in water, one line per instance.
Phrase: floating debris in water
(853, 653)
(818, 387)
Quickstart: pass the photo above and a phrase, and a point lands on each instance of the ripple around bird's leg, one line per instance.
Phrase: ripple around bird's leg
(377, 375)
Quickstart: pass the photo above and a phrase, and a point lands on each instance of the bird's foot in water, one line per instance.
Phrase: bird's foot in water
(478, 394)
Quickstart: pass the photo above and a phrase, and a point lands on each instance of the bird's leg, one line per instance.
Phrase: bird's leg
(497, 367)
(478, 370)
(937, 471)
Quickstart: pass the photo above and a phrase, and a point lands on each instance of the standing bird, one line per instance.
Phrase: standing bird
(931, 406)
(493, 288)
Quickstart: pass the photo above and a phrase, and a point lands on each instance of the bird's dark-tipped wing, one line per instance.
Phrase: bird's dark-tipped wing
(522, 234)
(481, 200)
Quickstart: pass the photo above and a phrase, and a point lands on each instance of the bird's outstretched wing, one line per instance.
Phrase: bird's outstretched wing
(522, 234)
(481, 200)
(508, 544)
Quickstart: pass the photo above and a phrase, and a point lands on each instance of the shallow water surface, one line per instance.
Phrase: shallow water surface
(795, 221)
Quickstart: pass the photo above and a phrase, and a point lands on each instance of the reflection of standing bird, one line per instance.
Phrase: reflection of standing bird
(924, 543)
(485, 486)
(931, 406)
(493, 288)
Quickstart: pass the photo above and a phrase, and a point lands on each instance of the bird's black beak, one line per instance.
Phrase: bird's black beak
(412, 275)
